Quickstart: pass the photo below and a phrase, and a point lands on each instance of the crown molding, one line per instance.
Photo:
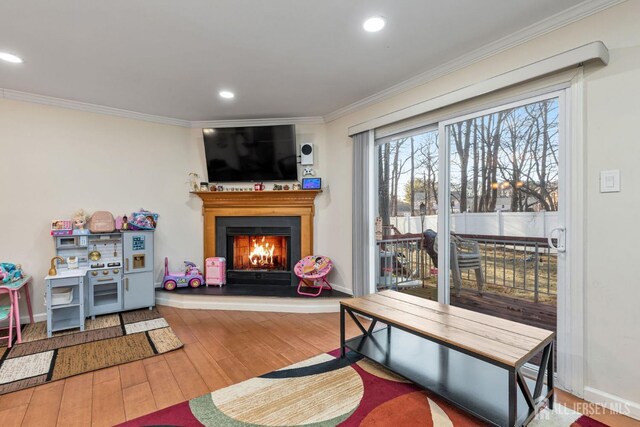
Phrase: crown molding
(554, 22)
(524, 35)
(100, 109)
(313, 120)
(90, 108)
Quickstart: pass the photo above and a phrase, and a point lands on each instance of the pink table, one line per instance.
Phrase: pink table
(14, 288)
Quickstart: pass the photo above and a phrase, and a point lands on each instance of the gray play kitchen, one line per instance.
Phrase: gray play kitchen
(96, 274)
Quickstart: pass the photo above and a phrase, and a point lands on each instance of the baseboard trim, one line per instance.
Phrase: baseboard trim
(213, 302)
(612, 402)
(37, 317)
(342, 289)
(216, 302)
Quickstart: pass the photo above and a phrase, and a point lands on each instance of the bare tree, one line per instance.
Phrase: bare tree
(383, 183)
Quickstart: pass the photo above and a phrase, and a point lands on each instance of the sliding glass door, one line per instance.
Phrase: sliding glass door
(477, 220)
(502, 181)
(407, 212)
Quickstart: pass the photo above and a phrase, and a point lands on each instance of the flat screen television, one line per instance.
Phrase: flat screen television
(256, 153)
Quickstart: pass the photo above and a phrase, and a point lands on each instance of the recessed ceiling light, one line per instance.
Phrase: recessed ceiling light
(226, 94)
(374, 24)
(10, 58)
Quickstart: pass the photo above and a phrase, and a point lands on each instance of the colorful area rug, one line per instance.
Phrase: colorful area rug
(107, 341)
(328, 391)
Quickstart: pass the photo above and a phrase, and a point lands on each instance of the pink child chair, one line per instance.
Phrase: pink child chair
(313, 268)
(8, 312)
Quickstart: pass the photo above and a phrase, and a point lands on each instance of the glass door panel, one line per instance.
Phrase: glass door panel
(407, 213)
(504, 178)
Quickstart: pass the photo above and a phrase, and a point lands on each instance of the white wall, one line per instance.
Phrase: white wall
(612, 109)
(55, 161)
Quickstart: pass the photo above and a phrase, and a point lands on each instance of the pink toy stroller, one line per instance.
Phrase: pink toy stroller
(314, 268)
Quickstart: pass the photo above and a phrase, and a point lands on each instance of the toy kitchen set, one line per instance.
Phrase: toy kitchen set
(96, 273)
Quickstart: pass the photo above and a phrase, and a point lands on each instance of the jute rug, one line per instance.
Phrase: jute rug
(328, 391)
(107, 341)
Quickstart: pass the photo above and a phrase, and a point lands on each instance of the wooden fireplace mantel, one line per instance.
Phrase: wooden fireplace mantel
(298, 203)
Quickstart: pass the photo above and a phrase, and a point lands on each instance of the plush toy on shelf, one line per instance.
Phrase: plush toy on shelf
(10, 272)
(143, 220)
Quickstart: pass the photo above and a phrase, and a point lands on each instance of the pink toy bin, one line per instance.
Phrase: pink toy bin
(216, 271)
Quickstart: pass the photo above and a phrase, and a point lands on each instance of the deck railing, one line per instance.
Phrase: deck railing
(518, 266)
(402, 263)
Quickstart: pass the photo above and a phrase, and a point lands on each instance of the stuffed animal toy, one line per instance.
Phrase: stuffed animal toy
(10, 272)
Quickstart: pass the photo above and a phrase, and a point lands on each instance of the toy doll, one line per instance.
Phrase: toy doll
(79, 220)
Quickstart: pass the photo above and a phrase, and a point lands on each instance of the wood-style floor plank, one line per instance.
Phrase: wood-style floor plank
(107, 374)
(207, 339)
(75, 407)
(17, 398)
(235, 369)
(132, 374)
(138, 400)
(107, 407)
(260, 360)
(213, 376)
(13, 416)
(189, 380)
(164, 386)
(220, 348)
(44, 405)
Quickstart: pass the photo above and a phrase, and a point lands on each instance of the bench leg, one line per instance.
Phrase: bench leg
(342, 319)
(513, 398)
(550, 374)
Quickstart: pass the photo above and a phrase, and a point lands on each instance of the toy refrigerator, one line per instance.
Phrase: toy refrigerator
(138, 269)
(216, 271)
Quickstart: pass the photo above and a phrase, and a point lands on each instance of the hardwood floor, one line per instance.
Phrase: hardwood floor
(221, 348)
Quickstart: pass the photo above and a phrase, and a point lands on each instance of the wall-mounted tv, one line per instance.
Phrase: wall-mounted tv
(256, 153)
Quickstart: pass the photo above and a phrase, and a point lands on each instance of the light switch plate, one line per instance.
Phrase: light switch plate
(609, 181)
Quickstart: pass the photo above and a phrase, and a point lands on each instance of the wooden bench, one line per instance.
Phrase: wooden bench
(470, 359)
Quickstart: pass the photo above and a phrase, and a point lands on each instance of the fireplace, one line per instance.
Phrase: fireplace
(259, 250)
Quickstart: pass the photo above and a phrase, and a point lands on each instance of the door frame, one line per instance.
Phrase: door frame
(570, 296)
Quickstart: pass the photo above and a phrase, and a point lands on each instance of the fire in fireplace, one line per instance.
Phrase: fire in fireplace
(260, 252)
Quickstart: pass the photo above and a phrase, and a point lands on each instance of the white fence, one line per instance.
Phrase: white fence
(516, 224)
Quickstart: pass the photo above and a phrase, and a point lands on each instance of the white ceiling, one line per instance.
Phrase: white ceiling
(282, 58)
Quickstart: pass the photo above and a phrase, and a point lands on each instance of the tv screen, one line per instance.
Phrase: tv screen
(258, 153)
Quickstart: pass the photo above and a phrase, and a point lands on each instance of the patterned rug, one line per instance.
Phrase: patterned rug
(107, 341)
(327, 391)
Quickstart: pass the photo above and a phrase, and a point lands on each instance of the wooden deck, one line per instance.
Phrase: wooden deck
(529, 313)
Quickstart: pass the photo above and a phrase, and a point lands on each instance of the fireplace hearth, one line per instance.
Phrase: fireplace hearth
(259, 250)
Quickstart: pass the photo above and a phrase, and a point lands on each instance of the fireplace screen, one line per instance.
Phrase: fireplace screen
(260, 253)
